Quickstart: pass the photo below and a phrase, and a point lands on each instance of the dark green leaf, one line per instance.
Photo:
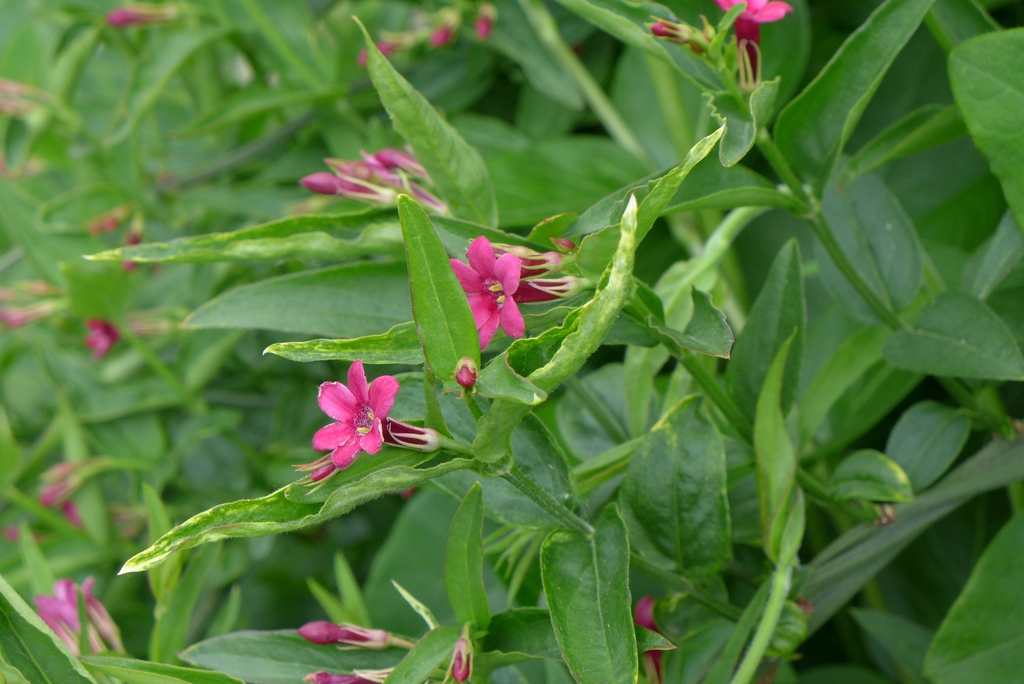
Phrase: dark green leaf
(171, 630)
(401, 344)
(742, 120)
(443, 319)
(994, 259)
(979, 641)
(586, 581)
(778, 311)
(96, 290)
(957, 336)
(676, 489)
(281, 657)
(29, 646)
(868, 474)
(814, 127)
(721, 671)
(906, 641)
(954, 21)
(458, 170)
(131, 671)
(342, 301)
(926, 440)
(464, 562)
(989, 87)
(430, 652)
(522, 630)
(707, 332)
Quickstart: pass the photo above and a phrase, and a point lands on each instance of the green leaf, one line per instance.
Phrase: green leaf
(776, 456)
(922, 129)
(401, 344)
(989, 88)
(96, 290)
(348, 588)
(250, 102)
(586, 581)
(926, 440)
(444, 321)
(341, 301)
(498, 380)
(707, 332)
(464, 562)
(160, 60)
(957, 336)
(131, 671)
(839, 572)
(878, 238)
(954, 21)
(458, 170)
(713, 186)
(29, 646)
(676, 489)
(418, 606)
(995, 259)
(431, 651)
(721, 671)
(814, 127)
(742, 119)
(328, 602)
(868, 474)
(596, 251)
(778, 311)
(170, 632)
(980, 638)
(906, 641)
(522, 630)
(340, 237)
(40, 575)
(281, 657)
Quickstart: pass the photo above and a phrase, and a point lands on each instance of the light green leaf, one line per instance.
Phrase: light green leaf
(989, 87)
(131, 671)
(444, 321)
(250, 102)
(870, 475)
(721, 671)
(926, 440)
(29, 646)
(586, 581)
(370, 232)
(676, 489)
(707, 332)
(980, 638)
(497, 380)
(341, 301)
(40, 575)
(464, 562)
(957, 336)
(458, 170)
(813, 129)
(430, 652)
(401, 344)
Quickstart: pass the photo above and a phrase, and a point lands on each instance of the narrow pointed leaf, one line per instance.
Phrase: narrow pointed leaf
(131, 671)
(464, 562)
(401, 344)
(430, 652)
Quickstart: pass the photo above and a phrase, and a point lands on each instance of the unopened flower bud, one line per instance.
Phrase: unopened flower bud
(323, 633)
(390, 158)
(387, 49)
(327, 678)
(465, 373)
(408, 436)
(325, 183)
(485, 20)
(461, 668)
(141, 15)
(531, 262)
(564, 244)
(677, 33)
(103, 335)
(643, 615)
(442, 35)
(546, 290)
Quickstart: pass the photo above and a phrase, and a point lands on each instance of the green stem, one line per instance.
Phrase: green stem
(997, 422)
(766, 628)
(546, 28)
(716, 393)
(681, 584)
(539, 496)
(1016, 493)
(474, 407)
(778, 162)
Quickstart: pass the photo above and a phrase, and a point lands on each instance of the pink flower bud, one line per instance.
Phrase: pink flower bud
(461, 668)
(99, 616)
(485, 20)
(546, 290)
(564, 244)
(70, 512)
(644, 613)
(531, 262)
(103, 335)
(141, 15)
(391, 158)
(677, 33)
(408, 436)
(442, 35)
(321, 632)
(465, 373)
(327, 678)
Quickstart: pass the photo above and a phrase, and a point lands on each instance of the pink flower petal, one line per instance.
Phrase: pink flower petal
(483, 307)
(345, 455)
(372, 440)
(487, 330)
(508, 269)
(512, 320)
(469, 279)
(382, 396)
(332, 436)
(481, 257)
(773, 11)
(357, 382)
(754, 6)
(337, 401)
(726, 5)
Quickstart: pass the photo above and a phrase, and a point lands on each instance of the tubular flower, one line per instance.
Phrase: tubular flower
(490, 283)
(103, 335)
(70, 512)
(407, 436)
(323, 633)
(748, 25)
(549, 289)
(18, 316)
(644, 616)
(359, 410)
(532, 263)
(377, 179)
(141, 15)
(60, 613)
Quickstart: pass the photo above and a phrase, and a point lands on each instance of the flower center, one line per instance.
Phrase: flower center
(364, 419)
(497, 291)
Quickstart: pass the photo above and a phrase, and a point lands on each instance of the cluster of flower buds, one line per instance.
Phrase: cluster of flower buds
(682, 33)
(377, 178)
(461, 667)
(28, 301)
(324, 633)
(64, 479)
(60, 613)
(141, 15)
(438, 30)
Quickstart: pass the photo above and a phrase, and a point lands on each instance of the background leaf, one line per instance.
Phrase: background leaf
(868, 474)
(926, 440)
(464, 562)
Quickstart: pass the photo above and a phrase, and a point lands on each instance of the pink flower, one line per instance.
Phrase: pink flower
(466, 373)
(103, 335)
(60, 612)
(359, 410)
(490, 282)
(548, 289)
(399, 434)
(390, 159)
(141, 15)
(748, 26)
(324, 633)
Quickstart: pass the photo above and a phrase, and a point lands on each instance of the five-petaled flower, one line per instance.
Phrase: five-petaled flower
(60, 613)
(748, 25)
(489, 282)
(359, 410)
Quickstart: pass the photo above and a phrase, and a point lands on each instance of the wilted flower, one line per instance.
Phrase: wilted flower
(644, 616)
(490, 282)
(60, 613)
(461, 667)
(359, 409)
(141, 15)
(485, 20)
(103, 335)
